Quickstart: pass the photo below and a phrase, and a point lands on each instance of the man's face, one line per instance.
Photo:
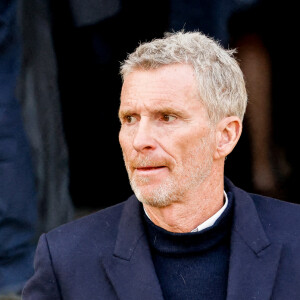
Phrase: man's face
(166, 137)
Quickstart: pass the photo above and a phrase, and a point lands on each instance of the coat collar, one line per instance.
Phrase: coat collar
(253, 260)
(130, 268)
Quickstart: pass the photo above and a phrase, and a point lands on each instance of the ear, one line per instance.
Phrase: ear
(228, 133)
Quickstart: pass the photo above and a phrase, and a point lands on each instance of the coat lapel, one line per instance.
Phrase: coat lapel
(253, 265)
(130, 269)
(254, 259)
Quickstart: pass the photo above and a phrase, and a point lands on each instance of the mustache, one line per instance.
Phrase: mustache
(149, 161)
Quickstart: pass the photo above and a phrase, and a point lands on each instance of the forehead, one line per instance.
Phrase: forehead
(172, 85)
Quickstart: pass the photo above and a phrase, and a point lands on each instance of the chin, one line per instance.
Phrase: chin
(155, 202)
(154, 195)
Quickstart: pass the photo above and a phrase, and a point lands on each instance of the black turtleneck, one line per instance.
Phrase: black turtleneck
(192, 265)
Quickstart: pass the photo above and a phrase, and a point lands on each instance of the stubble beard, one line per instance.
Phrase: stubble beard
(159, 196)
(185, 177)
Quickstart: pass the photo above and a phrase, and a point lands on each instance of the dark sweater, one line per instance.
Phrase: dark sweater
(192, 265)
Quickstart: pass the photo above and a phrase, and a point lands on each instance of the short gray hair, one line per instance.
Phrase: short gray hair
(221, 84)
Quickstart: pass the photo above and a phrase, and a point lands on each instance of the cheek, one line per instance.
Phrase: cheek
(178, 148)
(193, 148)
(124, 139)
(124, 147)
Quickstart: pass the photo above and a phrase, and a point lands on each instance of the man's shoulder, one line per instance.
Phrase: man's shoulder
(281, 219)
(275, 208)
(96, 230)
(276, 216)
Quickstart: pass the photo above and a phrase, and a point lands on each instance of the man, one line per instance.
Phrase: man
(192, 234)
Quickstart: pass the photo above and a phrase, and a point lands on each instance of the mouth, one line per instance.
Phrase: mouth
(150, 170)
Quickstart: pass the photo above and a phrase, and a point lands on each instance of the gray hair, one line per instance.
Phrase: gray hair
(221, 85)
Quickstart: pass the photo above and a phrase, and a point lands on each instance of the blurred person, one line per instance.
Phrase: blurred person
(254, 54)
(39, 96)
(272, 87)
(187, 232)
(18, 206)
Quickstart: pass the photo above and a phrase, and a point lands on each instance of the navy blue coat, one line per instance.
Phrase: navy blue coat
(106, 255)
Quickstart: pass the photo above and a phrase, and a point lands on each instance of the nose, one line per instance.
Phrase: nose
(144, 138)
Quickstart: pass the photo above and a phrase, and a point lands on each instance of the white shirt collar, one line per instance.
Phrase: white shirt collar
(211, 221)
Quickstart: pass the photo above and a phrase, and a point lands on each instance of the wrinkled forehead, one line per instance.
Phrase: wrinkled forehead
(166, 79)
(168, 89)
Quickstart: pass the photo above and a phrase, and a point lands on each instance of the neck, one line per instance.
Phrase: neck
(184, 216)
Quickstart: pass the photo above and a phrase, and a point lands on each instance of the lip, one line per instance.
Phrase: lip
(150, 170)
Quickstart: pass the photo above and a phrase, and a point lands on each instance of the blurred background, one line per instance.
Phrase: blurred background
(59, 96)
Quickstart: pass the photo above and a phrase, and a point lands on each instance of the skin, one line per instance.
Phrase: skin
(173, 154)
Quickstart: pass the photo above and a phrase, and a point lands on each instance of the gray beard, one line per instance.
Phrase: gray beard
(170, 190)
(159, 197)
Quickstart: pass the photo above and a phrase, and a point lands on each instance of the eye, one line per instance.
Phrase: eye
(168, 118)
(130, 119)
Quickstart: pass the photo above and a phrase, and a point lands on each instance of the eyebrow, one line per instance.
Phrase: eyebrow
(124, 112)
(167, 110)
(160, 109)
